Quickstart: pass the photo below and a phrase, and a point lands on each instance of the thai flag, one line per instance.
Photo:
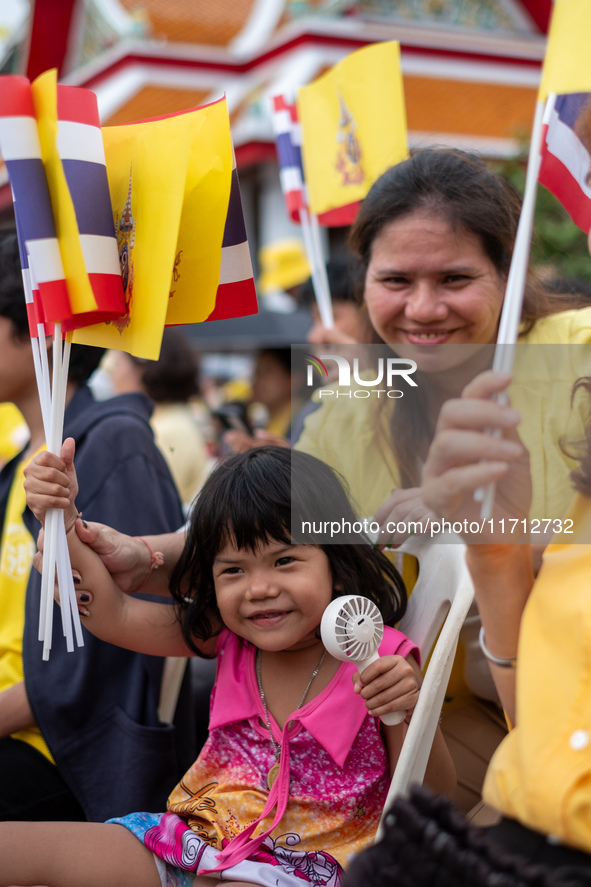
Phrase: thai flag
(21, 151)
(236, 295)
(81, 149)
(288, 141)
(565, 168)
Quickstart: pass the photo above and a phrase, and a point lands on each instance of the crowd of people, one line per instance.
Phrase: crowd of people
(290, 783)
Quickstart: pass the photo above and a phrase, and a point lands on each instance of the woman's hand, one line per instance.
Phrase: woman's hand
(465, 455)
(402, 515)
(389, 684)
(51, 482)
(127, 558)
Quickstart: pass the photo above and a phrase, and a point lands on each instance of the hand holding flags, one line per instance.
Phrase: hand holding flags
(53, 238)
(180, 244)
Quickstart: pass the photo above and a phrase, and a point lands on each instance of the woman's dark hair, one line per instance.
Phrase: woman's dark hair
(174, 377)
(459, 187)
(84, 359)
(276, 494)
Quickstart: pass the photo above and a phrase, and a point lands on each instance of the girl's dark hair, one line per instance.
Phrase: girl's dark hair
(276, 494)
(459, 187)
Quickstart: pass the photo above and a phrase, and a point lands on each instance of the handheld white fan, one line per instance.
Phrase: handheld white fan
(352, 629)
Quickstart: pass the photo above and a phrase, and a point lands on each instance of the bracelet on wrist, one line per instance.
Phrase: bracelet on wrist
(496, 660)
(156, 560)
(73, 522)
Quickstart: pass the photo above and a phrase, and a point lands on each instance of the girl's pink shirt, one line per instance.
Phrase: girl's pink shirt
(241, 698)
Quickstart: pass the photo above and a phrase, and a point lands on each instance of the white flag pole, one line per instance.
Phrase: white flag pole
(319, 253)
(318, 271)
(513, 303)
(53, 515)
(64, 571)
(68, 602)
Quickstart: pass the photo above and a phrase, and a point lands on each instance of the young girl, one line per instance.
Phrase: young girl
(293, 776)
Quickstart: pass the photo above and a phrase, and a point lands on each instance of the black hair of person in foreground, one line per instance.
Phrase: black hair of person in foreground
(427, 841)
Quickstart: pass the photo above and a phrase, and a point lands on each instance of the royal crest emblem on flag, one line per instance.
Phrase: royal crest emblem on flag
(348, 161)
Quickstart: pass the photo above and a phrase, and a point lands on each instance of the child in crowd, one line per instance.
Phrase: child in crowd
(293, 777)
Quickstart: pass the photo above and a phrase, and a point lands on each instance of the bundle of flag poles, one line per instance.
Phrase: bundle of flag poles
(55, 250)
(119, 235)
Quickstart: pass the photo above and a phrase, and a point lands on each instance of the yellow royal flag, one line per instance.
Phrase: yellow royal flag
(353, 123)
(196, 271)
(566, 65)
(169, 181)
(44, 93)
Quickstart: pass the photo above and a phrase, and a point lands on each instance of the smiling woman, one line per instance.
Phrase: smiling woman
(435, 237)
(439, 230)
(430, 284)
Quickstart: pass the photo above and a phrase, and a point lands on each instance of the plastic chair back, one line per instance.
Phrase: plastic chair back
(437, 605)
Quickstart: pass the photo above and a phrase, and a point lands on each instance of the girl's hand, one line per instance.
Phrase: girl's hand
(464, 456)
(404, 511)
(390, 684)
(51, 482)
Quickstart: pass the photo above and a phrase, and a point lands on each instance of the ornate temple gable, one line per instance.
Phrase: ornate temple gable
(487, 15)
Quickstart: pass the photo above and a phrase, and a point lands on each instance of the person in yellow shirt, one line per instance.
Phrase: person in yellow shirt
(536, 636)
(13, 432)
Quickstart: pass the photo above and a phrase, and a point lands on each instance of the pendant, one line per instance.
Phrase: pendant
(272, 775)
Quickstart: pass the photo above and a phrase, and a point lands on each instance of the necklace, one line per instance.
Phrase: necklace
(272, 774)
